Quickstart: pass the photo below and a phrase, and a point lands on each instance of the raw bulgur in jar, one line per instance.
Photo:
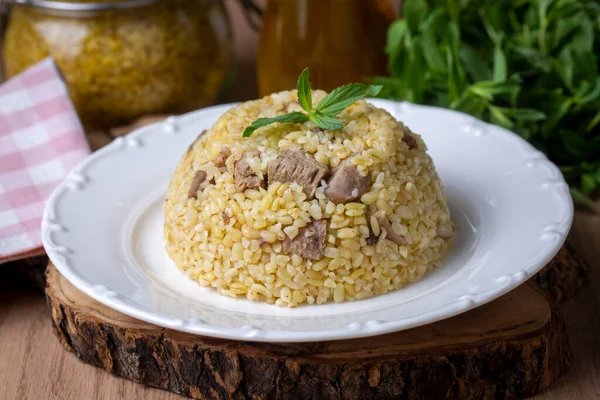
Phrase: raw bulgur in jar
(171, 56)
(296, 214)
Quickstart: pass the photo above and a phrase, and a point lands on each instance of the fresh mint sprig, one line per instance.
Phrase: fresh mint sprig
(324, 114)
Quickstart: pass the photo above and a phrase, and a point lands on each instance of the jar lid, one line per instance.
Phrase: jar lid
(81, 6)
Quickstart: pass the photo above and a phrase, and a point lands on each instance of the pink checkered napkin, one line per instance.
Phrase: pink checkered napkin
(41, 140)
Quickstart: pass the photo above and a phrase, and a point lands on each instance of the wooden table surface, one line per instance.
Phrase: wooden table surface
(33, 364)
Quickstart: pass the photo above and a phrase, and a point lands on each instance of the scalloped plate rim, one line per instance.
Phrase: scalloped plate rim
(466, 302)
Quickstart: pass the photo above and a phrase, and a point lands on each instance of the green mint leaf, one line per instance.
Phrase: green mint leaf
(575, 145)
(565, 66)
(475, 66)
(524, 114)
(488, 89)
(470, 103)
(326, 122)
(534, 58)
(595, 121)
(415, 11)
(452, 36)
(583, 41)
(295, 117)
(499, 65)
(431, 52)
(453, 83)
(499, 118)
(583, 199)
(390, 86)
(592, 94)
(564, 30)
(341, 98)
(413, 73)
(588, 183)
(330, 106)
(395, 35)
(304, 91)
(437, 18)
(494, 35)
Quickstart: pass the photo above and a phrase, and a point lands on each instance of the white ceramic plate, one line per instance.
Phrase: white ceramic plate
(102, 229)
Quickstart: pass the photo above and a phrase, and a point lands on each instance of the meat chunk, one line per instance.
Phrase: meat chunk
(309, 243)
(390, 233)
(445, 231)
(384, 223)
(222, 157)
(294, 165)
(199, 177)
(195, 140)
(245, 177)
(410, 140)
(346, 184)
(372, 239)
(226, 217)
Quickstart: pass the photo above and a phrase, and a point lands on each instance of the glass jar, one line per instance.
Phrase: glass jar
(341, 41)
(124, 59)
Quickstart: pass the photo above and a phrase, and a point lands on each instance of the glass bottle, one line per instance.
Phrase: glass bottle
(341, 41)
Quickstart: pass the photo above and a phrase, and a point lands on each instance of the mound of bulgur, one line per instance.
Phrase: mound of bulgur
(237, 220)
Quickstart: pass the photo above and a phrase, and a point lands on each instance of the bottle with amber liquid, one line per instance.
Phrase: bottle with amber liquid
(341, 41)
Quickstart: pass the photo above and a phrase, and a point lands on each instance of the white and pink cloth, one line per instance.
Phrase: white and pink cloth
(41, 140)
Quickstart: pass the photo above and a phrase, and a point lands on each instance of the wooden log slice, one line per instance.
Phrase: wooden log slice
(562, 278)
(512, 347)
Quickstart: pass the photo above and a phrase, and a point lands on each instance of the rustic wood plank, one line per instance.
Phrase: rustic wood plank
(513, 347)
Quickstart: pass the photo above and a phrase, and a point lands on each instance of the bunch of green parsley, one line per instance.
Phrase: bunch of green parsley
(531, 66)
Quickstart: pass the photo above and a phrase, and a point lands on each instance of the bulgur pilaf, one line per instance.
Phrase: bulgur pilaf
(296, 214)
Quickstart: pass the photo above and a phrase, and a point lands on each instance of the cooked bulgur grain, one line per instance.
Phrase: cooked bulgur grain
(284, 246)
